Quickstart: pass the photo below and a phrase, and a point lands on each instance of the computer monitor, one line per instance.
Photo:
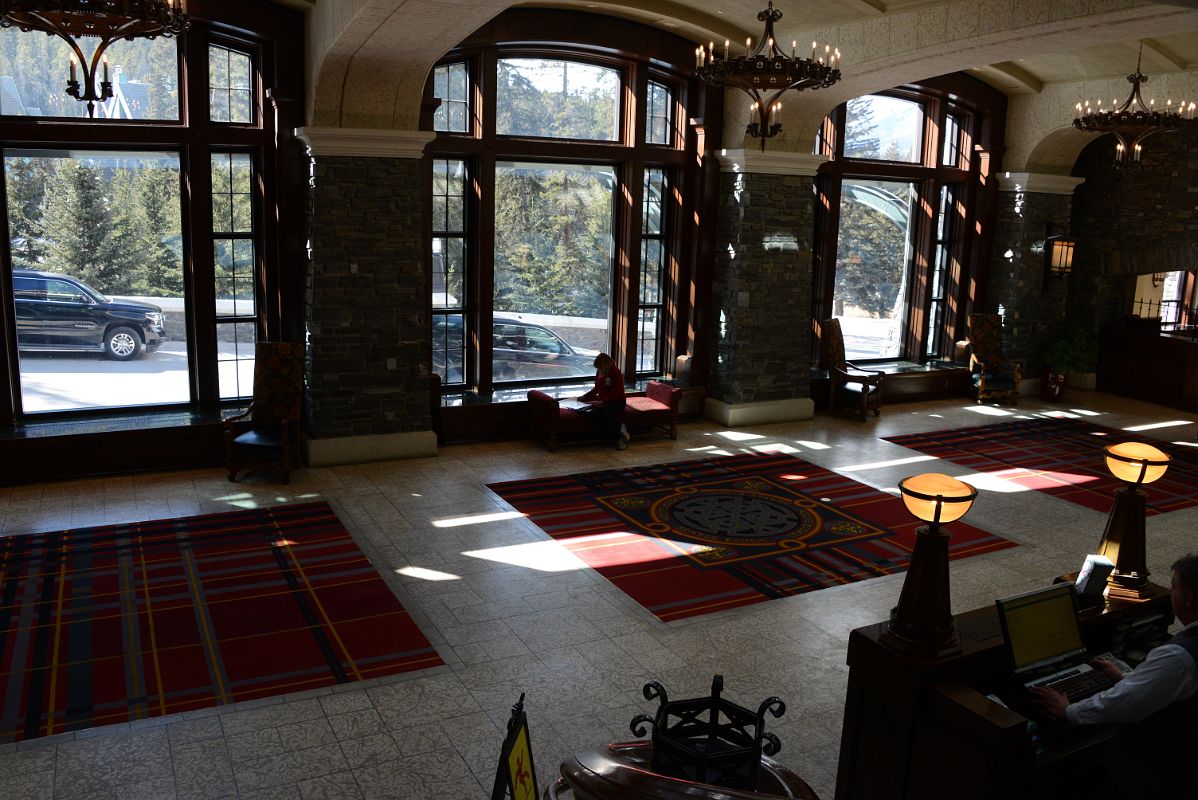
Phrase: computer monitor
(1040, 627)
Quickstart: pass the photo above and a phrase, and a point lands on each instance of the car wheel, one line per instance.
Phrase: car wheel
(122, 344)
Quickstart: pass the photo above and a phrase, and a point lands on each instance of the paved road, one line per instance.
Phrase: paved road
(64, 381)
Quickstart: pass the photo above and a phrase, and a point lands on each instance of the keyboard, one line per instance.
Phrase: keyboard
(1077, 684)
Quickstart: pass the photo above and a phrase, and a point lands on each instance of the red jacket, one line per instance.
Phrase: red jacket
(608, 388)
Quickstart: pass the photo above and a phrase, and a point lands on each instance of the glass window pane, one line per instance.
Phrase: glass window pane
(658, 108)
(951, 156)
(235, 343)
(884, 128)
(557, 99)
(648, 327)
(451, 85)
(871, 265)
(232, 201)
(449, 347)
(229, 88)
(553, 266)
(34, 69)
(108, 330)
(651, 271)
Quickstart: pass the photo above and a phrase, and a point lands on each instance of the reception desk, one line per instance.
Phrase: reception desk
(923, 728)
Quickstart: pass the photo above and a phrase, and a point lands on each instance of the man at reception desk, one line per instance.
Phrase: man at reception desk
(1155, 705)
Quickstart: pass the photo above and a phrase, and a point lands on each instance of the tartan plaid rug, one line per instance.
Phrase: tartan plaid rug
(1061, 457)
(693, 537)
(121, 622)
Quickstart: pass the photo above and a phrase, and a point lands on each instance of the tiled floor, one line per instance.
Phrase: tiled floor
(510, 613)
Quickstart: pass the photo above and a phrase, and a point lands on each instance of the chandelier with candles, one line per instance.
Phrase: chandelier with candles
(1135, 120)
(106, 20)
(766, 72)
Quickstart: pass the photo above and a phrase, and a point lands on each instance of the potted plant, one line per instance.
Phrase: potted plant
(1071, 348)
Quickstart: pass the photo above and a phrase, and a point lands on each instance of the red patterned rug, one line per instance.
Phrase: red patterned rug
(121, 622)
(694, 537)
(1061, 457)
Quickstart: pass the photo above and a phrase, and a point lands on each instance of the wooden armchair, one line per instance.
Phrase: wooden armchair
(994, 375)
(267, 433)
(849, 387)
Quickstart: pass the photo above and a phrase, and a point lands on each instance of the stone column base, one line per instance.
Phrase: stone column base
(360, 449)
(732, 415)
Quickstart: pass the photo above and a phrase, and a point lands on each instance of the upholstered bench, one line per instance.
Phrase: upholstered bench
(657, 410)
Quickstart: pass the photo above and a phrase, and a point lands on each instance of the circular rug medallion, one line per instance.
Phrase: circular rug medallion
(745, 518)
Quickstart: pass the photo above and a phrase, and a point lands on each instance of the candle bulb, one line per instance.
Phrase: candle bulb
(698, 58)
(748, 45)
(726, 43)
(105, 69)
(794, 44)
(836, 62)
(753, 113)
(711, 50)
(73, 76)
(813, 51)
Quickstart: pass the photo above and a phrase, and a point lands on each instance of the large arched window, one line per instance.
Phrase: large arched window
(142, 247)
(900, 249)
(559, 177)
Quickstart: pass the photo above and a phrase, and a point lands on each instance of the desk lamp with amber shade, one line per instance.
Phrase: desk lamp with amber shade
(1122, 542)
(922, 622)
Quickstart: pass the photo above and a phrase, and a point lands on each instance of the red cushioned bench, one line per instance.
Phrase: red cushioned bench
(656, 411)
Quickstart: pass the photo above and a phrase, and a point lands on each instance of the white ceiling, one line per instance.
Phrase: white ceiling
(736, 19)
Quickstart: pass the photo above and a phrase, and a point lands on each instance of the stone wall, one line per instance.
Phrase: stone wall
(367, 295)
(760, 322)
(1016, 287)
(1134, 223)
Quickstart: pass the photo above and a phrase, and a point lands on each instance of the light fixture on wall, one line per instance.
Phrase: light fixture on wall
(922, 622)
(766, 72)
(106, 20)
(1135, 120)
(1058, 254)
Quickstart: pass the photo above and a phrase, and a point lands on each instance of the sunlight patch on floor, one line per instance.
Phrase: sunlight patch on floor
(1086, 412)
(475, 519)
(542, 556)
(812, 445)
(739, 436)
(711, 450)
(891, 463)
(776, 447)
(989, 411)
(1173, 423)
(426, 574)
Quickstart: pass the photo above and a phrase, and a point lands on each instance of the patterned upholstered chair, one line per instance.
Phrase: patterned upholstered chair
(267, 433)
(849, 387)
(994, 375)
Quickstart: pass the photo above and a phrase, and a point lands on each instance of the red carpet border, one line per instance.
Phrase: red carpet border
(694, 537)
(122, 622)
(1061, 457)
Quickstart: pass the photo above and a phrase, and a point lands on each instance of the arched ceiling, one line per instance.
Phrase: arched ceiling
(368, 59)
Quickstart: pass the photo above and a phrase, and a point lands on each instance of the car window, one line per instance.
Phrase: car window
(543, 341)
(64, 292)
(508, 337)
(29, 288)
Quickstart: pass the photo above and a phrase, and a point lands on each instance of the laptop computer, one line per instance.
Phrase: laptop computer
(1045, 643)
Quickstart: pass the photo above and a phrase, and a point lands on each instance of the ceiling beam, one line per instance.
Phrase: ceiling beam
(1026, 81)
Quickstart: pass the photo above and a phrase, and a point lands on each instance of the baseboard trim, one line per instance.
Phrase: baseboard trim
(734, 414)
(360, 449)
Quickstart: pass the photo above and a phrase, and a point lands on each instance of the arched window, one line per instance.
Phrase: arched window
(558, 183)
(900, 239)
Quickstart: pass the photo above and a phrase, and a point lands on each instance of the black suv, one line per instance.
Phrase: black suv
(58, 312)
(520, 351)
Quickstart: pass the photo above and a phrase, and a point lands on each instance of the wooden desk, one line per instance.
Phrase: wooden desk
(918, 728)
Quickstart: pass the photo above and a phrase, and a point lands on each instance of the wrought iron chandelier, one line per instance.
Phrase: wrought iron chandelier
(106, 20)
(766, 72)
(1135, 120)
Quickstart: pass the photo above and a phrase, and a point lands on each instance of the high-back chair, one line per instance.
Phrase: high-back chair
(267, 433)
(849, 387)
(994, 375)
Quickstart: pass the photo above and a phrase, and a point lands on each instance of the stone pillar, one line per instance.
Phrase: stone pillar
(366, 305)
(759, 329)
(1027, 202)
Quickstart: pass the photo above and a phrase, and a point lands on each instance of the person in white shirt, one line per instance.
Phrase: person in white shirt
(1155, 704)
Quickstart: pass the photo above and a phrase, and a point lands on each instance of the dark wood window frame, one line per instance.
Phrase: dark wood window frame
(980, 112)
(273, 37)
(602, 41)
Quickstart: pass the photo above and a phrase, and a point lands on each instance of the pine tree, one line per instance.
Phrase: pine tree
(157, 192)
(74, 225)
(860, 140)
(26, 183)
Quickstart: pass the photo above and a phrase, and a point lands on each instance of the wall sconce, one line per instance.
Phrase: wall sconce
(922, 622)
(1058, 254)
(1123, 541)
